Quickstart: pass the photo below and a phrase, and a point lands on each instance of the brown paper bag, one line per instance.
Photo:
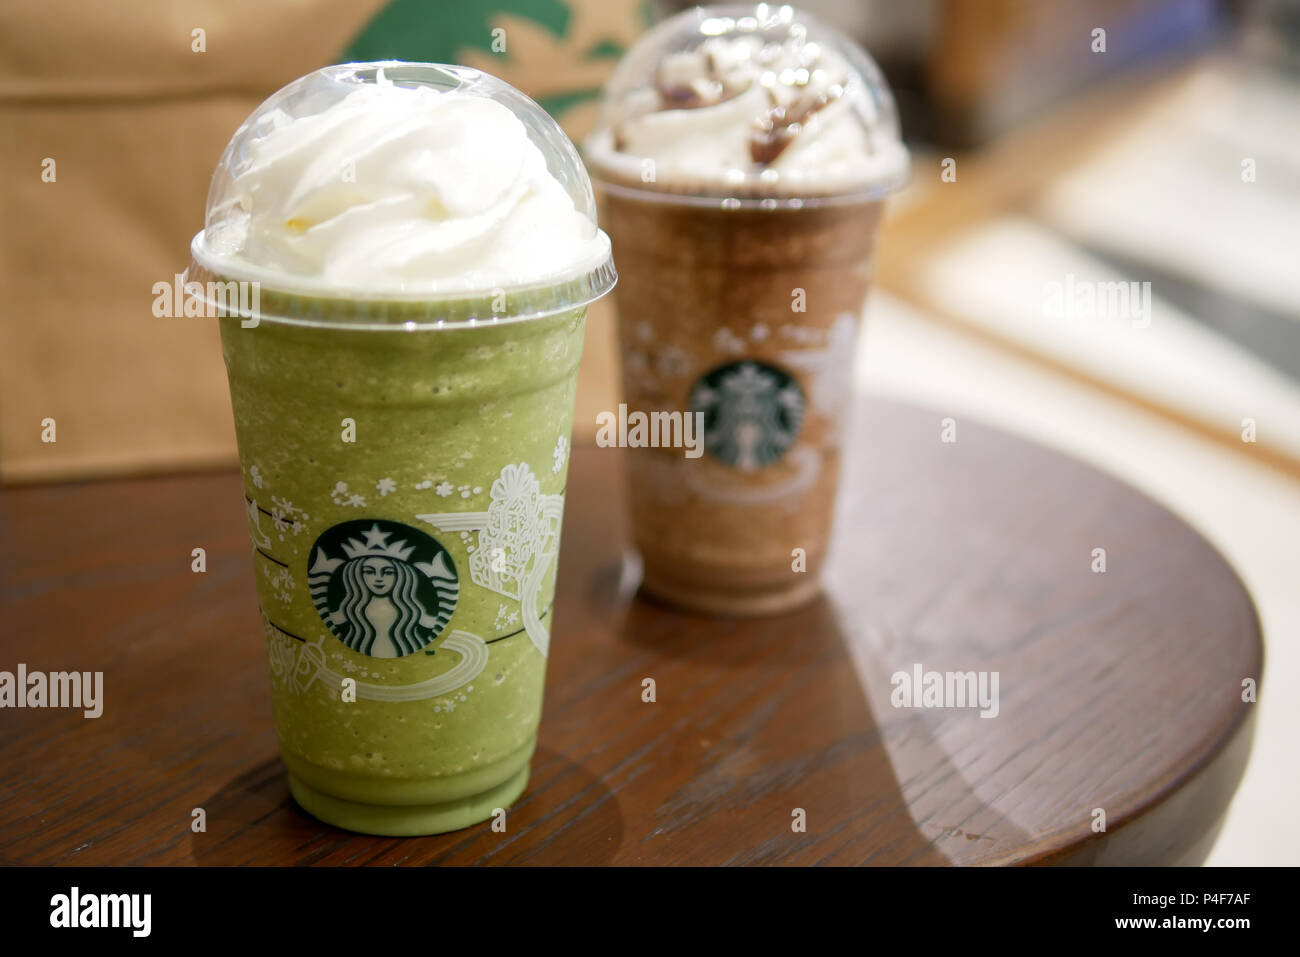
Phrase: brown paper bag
(113, 118)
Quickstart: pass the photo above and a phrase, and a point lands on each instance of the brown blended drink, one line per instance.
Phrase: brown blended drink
(744, 155)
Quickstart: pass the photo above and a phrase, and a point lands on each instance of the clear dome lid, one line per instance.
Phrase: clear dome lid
(759, 103)
(438, 190)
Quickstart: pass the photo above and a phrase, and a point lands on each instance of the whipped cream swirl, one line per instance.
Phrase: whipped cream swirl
(406, 189)
(785, 117)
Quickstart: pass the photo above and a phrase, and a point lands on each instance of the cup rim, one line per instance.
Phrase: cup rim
(618, 173)
(723, 202)
(323, 308)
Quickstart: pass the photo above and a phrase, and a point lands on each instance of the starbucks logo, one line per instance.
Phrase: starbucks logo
(382, 588)
(752, 412)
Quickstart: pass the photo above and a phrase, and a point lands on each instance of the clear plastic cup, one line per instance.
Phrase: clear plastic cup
(404, 448)
(744, 155)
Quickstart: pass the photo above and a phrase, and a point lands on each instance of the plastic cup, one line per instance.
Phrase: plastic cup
(404, 459)
(739, 301)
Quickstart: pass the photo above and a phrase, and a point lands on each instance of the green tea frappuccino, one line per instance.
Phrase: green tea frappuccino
(403, 401)
(453, 486)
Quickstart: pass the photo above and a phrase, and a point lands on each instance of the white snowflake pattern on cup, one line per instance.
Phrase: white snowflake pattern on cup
(340, 495)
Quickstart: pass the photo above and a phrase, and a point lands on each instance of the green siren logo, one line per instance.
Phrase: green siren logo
(752, 412)
(382, 588)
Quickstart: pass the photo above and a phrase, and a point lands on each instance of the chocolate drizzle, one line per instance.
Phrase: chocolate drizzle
(684, 98)
(791, 73)
(777, 129)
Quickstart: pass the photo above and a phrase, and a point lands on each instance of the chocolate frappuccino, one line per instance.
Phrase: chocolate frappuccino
(744, 154)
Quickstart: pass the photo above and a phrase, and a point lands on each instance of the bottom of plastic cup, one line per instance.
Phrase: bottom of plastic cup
(730, 602)
(405, 819)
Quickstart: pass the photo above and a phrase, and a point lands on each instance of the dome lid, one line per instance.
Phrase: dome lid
(748, 102)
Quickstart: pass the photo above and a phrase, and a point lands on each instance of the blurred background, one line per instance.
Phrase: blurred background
(1058, 146)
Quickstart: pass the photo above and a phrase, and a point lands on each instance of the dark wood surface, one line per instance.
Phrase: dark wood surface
(1119, 691)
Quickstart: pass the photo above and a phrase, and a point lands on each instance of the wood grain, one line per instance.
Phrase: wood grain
(1119, 691)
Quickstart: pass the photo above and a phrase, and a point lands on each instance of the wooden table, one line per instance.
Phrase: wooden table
(1119, 690)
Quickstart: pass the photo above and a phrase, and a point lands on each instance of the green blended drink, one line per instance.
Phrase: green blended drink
(403, 400)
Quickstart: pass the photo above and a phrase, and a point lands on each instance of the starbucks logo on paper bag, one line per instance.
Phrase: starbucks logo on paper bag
(382, 588)
(752, 412)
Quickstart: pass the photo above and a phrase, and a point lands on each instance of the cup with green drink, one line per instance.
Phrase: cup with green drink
(422, 243)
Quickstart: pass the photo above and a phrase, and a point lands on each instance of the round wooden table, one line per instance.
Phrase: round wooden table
(1120, 693)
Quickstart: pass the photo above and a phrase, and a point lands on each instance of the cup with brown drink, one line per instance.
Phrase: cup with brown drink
(744, 155)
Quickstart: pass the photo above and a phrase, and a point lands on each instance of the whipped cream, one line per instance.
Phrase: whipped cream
(398, 189)
(784, 118)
